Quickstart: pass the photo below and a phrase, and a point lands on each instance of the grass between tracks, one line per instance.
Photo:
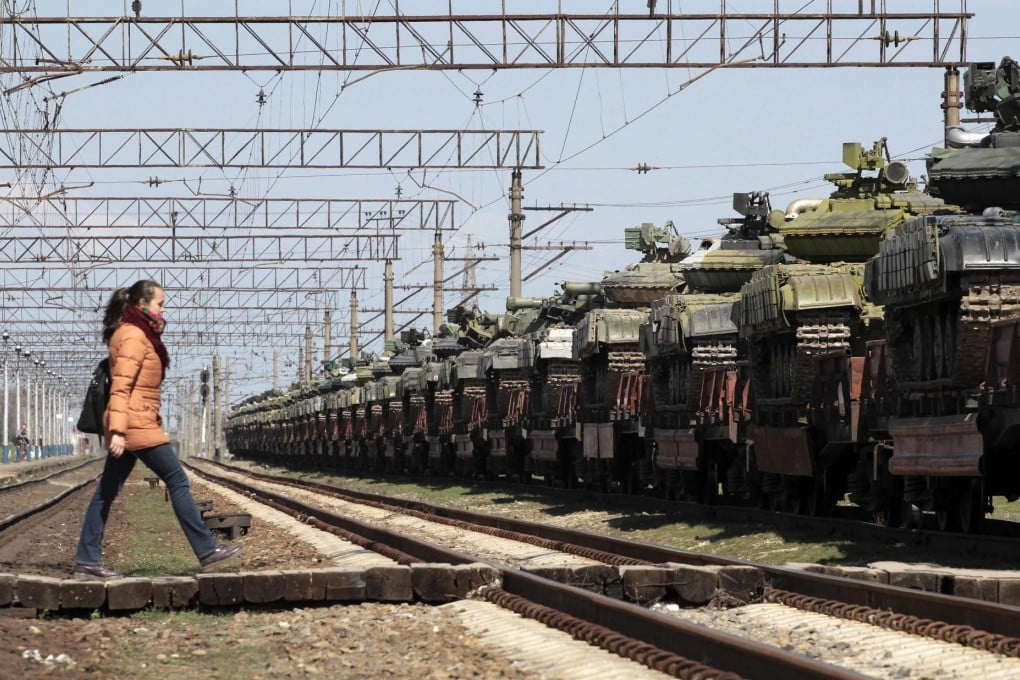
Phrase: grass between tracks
(143, 537)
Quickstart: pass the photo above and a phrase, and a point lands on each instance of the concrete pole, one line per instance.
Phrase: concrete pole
(308, 355)
(327, 334)
(7, 408)
(516, 230)
(217, 387)
(28, 410)
(951, 103)
(276, 374)
(17, 397)
(226, 400)
(437, 282)
(354, 325)
(388, 307)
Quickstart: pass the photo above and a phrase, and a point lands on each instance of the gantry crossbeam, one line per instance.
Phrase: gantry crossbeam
(276, 149)
(784, 37)
(184, 276)
(159, 248)
(205, 212)
(182, 302)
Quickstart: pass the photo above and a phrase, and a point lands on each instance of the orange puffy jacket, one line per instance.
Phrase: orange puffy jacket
(135, 375)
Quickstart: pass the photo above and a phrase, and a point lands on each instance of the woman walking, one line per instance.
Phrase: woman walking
(133, 429)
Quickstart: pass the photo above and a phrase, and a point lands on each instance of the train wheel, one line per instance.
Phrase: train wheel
(971, 507)
(890, 514)
(945, 517)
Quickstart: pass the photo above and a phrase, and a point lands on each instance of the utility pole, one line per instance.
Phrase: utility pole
(327, 334)
(516, 229)
(388, 306)
(951, 104)
(308, 356)
(470, 280)
(226, 399)
(217, 402)
(354, 325)
(276, 366)
(437, 282)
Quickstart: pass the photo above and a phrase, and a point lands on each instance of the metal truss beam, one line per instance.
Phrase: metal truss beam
(279, 149)
(204, 212)
(183, 277)
(782, 37)
(181, 303)
(159, 248)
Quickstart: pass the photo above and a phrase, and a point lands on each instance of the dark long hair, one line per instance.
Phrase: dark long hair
(143, 291)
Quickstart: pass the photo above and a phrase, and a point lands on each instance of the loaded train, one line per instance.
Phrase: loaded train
(864, 347)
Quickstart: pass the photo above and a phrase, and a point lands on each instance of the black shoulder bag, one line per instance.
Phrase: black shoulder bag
(96, 397)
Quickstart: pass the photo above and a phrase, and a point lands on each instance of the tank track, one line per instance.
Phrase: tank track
(626, 362)
(561, 376)
(703, 356)
(948, 354)
(792, 369)
(980, 306)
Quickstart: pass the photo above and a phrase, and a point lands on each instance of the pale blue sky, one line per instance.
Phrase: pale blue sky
(734, 130)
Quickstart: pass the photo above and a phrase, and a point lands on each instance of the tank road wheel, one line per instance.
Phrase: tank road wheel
(970, 506)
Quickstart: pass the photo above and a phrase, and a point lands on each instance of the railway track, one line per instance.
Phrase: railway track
(24, 500)
(949, 625)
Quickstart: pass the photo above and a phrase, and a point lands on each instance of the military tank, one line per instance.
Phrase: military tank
(469, 378)
(695, 422)
(606, 343)
(810, 327)
(554, 398)
(950, 283)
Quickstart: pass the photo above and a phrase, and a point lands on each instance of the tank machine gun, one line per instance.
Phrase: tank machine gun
(950, 283)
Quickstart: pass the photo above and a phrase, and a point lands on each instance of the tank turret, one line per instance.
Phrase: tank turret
(983, 170)
(848, 225)
(751, 242)
(657, 274)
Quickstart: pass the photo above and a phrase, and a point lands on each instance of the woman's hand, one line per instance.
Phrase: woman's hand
(117, 445)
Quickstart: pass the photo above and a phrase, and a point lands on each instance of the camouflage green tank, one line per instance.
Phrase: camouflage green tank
(606, 343)
(809, 324)
(950, 284)
(690, 341)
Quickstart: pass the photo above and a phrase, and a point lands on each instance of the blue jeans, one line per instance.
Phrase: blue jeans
(163, 461)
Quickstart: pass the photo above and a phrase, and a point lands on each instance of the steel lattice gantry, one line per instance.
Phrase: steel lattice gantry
(278, 149)
(782, 37)
(162, 249)
(205, 212)
(184, 277)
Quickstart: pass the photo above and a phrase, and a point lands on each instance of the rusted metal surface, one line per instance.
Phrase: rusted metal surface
(725, 652)
(937, 446)
(677, 449)
(653, 657)
(783, 450)
(967, 636)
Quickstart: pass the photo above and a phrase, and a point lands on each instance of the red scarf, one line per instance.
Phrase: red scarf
(152, 328)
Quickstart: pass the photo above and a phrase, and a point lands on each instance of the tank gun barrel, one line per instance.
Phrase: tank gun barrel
(515, 303)
(581, 287)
